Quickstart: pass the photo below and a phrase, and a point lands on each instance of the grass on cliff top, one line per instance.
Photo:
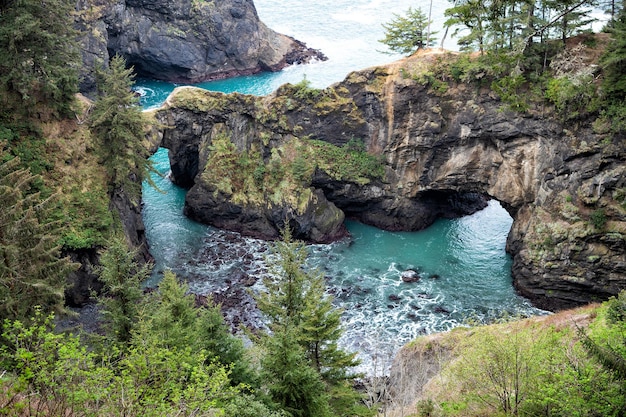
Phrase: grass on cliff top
(286, 176)
(521, 367)
(201, 100)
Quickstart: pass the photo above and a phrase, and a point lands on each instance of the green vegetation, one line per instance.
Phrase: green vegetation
(164, 356)
(118, 125)
(306, 372)
(525, 59)
(39, 55)
(534, 367)
(287, 175)
(31, 269)
(409, 33)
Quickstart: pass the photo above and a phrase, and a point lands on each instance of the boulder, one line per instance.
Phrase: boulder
(410, 275)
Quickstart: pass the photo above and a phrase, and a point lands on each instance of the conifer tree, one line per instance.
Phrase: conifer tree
(614, 62)
(169, 319)
(118, 126)
(291, 380)
(32, 272)
(122, 277)
(39, 56)
(305, 329)
(407, 34)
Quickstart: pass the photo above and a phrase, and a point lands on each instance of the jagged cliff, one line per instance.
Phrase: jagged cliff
(183, 41)
(442, 153)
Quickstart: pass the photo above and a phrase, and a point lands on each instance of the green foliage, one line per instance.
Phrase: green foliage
(473, 16)
(306, 372)
(244, 405)
(607, 341)
(613, 64)
(350, 162)
(54, 375)
(31, 269)
(409, 33)
(25, 141)
(118, 126)
(502, 372)
(39, 57)
(598, 219)
(169, 319)
(290, 379)
(87, 216)
(51, 374)
(122, 277)
(508, 89)
(572, 97)
(304, 91)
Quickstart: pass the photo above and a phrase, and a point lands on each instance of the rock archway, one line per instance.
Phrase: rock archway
(444, 154)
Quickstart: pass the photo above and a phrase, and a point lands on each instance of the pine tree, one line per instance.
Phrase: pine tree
(614, 62)
(170, 319)
(32, 272)
(409, 33)
(118, 126)
(291, 381)
(122, 277)
(39, 56)
(305, 330)
(471, 15)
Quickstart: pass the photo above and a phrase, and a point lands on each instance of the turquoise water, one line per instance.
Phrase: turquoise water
(465, 273)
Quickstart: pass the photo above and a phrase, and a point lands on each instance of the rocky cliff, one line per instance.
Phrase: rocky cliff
(253, 162)
(183, 41)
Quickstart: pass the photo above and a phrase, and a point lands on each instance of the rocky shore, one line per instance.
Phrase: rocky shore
(185, 41)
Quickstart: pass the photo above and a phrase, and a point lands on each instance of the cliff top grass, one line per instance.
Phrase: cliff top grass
(484, 370)
(197, 99)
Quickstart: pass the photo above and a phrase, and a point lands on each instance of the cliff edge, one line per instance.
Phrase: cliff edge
(187, 41)
(436, 152)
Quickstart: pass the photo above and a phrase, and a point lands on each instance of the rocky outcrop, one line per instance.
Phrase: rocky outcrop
(183, 41)
(442, 152)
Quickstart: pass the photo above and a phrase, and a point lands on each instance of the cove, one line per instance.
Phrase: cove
(464, 270)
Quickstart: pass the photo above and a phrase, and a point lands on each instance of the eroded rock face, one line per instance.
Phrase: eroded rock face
(184, 41)
(444, 154)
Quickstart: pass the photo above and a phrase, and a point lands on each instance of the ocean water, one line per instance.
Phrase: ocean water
(464, 271)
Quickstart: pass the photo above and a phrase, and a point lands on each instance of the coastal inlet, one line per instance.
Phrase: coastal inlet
(457, 272)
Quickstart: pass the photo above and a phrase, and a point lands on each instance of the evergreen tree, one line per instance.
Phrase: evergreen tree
(122, 278)
(170, 319)
(572, 17)
(39, 56)
(614, 62)
(471, 15)
(32, 272)
(291, 381)
(305, 329)
(118, 126)
(611, 352)
(409, 33)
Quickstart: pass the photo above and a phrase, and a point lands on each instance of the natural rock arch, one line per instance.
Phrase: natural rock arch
(444, 155)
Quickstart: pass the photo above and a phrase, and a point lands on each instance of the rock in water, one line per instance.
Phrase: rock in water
(184, 41)
(410, 275)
